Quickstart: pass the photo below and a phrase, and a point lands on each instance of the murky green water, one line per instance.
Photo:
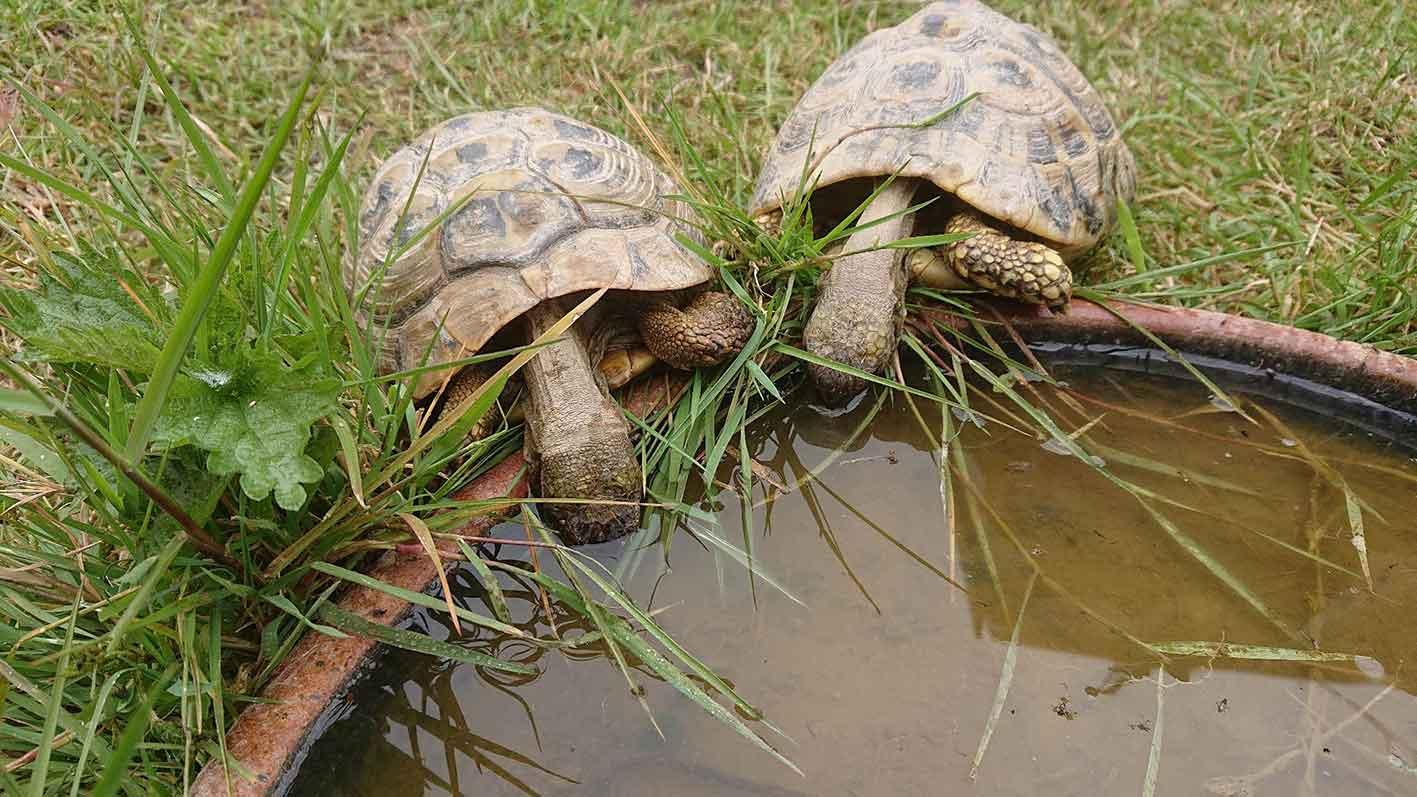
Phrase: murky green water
(887, 677)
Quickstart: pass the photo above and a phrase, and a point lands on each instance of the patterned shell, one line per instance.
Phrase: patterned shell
(544, 205)
(1036, 148)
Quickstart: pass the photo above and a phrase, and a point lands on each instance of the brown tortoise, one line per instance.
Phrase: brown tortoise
(544, 209)
(961, 104)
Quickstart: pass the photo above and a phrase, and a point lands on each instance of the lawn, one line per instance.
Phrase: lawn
(1277, 168)
(1272, 123)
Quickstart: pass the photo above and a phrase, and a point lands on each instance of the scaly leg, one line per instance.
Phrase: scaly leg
(708, 330)
(1025, 270)
(859, 307)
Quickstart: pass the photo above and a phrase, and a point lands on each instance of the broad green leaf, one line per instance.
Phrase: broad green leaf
(254, 420)
(36, 454)
(84, 317)
(22, 402)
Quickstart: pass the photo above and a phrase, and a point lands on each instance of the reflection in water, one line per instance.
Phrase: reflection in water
(857, 645)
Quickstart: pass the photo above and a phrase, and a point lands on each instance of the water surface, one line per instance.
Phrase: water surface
(885, 674)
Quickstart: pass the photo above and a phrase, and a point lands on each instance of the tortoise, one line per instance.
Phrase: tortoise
(982, 114)
(527, 211)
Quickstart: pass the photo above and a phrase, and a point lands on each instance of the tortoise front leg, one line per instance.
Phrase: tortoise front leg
(577, 436)
(711, 328)
(1025, 270)
(856, 320)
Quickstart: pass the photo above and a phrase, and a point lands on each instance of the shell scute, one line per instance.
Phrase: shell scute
(487, 214)
(1035, 147)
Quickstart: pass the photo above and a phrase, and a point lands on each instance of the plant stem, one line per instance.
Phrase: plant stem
(199, 538)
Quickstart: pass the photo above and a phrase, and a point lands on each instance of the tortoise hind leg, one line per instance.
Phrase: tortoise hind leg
(711, 328)
(1025, 270)
(463, 384)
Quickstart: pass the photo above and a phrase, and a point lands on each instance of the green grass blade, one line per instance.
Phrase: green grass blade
(151, 580)
(40, 770)
(313, 203)
(91, 730)
(195, 137)
(1128, 226)
(199, 299)
(115, 769)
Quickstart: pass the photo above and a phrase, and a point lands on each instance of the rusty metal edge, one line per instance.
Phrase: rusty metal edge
(1386, 378)
(269, 736)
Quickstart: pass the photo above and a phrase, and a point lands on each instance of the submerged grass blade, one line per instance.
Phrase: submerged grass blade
(649, 625)
(1006, 677)
(1243, 652)
(493, 590)
(1064, 442)
(1353, 505)
(1220, 571)
(755, 569)
(981, 530)
(1360, 537)
(1153, 756)
(963, 477)
(1117, 456)
(622, 634)
(352, 623)
(1175, 356)
(830, 459)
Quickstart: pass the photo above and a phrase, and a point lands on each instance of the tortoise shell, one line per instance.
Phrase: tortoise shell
(526, 205)
(1035, 148)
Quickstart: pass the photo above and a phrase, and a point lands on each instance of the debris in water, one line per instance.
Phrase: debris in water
(1055, 446)
(1370, 667)
(965, 415)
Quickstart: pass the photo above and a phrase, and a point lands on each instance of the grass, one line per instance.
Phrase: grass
(1275, 149)
(1271, 123)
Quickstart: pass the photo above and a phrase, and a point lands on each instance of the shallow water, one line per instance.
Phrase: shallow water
(886, 677)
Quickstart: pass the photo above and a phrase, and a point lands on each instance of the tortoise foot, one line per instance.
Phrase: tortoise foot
(1024, 270)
